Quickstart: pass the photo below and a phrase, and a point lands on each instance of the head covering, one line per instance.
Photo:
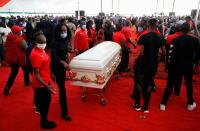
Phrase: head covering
(83, 23)
(185, 27)
(16, 29)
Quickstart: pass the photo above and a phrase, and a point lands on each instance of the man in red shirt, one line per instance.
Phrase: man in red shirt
(169, 40)
(15, 56)
(81, 39)
(127, 33)
(119, 38)
(41, 77)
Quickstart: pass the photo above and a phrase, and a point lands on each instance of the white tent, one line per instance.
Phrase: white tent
(61, 6)
(137, 7)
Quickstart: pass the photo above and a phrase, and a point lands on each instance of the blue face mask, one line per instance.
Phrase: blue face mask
(84, 27)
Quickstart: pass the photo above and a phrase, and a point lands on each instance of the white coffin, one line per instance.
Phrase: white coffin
(94, 67)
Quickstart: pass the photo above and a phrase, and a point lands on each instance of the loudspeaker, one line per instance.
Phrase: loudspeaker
(171, 13)
(102, 14)
(82, 13)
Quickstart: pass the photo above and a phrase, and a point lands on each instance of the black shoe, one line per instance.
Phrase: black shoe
(48, 125)
(145, 109)
(136, 107)
(6, 91)
(36, 110)
(67, 118)
(153, 89)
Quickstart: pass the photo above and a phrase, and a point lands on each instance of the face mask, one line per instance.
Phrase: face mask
(63, 35)
(140, 29)
(84, 27)
(93, 26)
(41, 46)
(20, 33)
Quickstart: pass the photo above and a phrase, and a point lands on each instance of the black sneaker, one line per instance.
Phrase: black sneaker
(136, 107)
(67, 118)
(6, 91)
(153, 89)
(145, 109)
(48, 125)
(36, 110)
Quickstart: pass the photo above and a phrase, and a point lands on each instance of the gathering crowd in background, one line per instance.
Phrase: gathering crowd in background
(43, 46)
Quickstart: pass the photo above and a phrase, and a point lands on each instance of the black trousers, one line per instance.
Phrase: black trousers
(60, 75)
(124, 60)
(1, 53)
(42, 98)
(145, 87)
(13, 74)
(175, 79)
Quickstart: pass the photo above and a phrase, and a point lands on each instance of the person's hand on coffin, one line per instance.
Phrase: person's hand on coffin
(76, 51)
(65, 64)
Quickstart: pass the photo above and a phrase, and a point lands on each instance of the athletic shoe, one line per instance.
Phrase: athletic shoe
(192, 107)
(145, 109)
(153, 89)
(36, 110)
(136, 107)
(162, 107)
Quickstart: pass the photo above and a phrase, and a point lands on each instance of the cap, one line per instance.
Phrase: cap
(16, 29)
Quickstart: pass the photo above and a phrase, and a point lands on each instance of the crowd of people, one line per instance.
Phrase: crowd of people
(42, 46)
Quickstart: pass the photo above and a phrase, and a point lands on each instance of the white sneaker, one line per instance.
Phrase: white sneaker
(192, 107)
(162, 107)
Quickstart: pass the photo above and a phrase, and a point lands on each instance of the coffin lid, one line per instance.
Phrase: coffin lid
(97, 57)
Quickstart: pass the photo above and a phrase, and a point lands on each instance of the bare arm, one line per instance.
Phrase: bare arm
(39, 78)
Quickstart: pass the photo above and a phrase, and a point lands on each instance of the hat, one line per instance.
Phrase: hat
(185, 27)
(83, 23)
(16, 29)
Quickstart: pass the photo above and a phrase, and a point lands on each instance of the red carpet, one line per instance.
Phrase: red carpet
(16, 110)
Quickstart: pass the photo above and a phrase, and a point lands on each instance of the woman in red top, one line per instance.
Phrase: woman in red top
(119, 38)
(81, 39)
(91, 33)
(41, 67)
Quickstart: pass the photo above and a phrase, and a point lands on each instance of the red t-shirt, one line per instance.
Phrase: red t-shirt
(127, 34)
(81, 40)
(92, 37)
(119, 38)
(171, 37)
(40, 59)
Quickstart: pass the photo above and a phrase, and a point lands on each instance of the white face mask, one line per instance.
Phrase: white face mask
(41, 46)
(93, 26)
(20, 33)
(140, 29)
(63, 35)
